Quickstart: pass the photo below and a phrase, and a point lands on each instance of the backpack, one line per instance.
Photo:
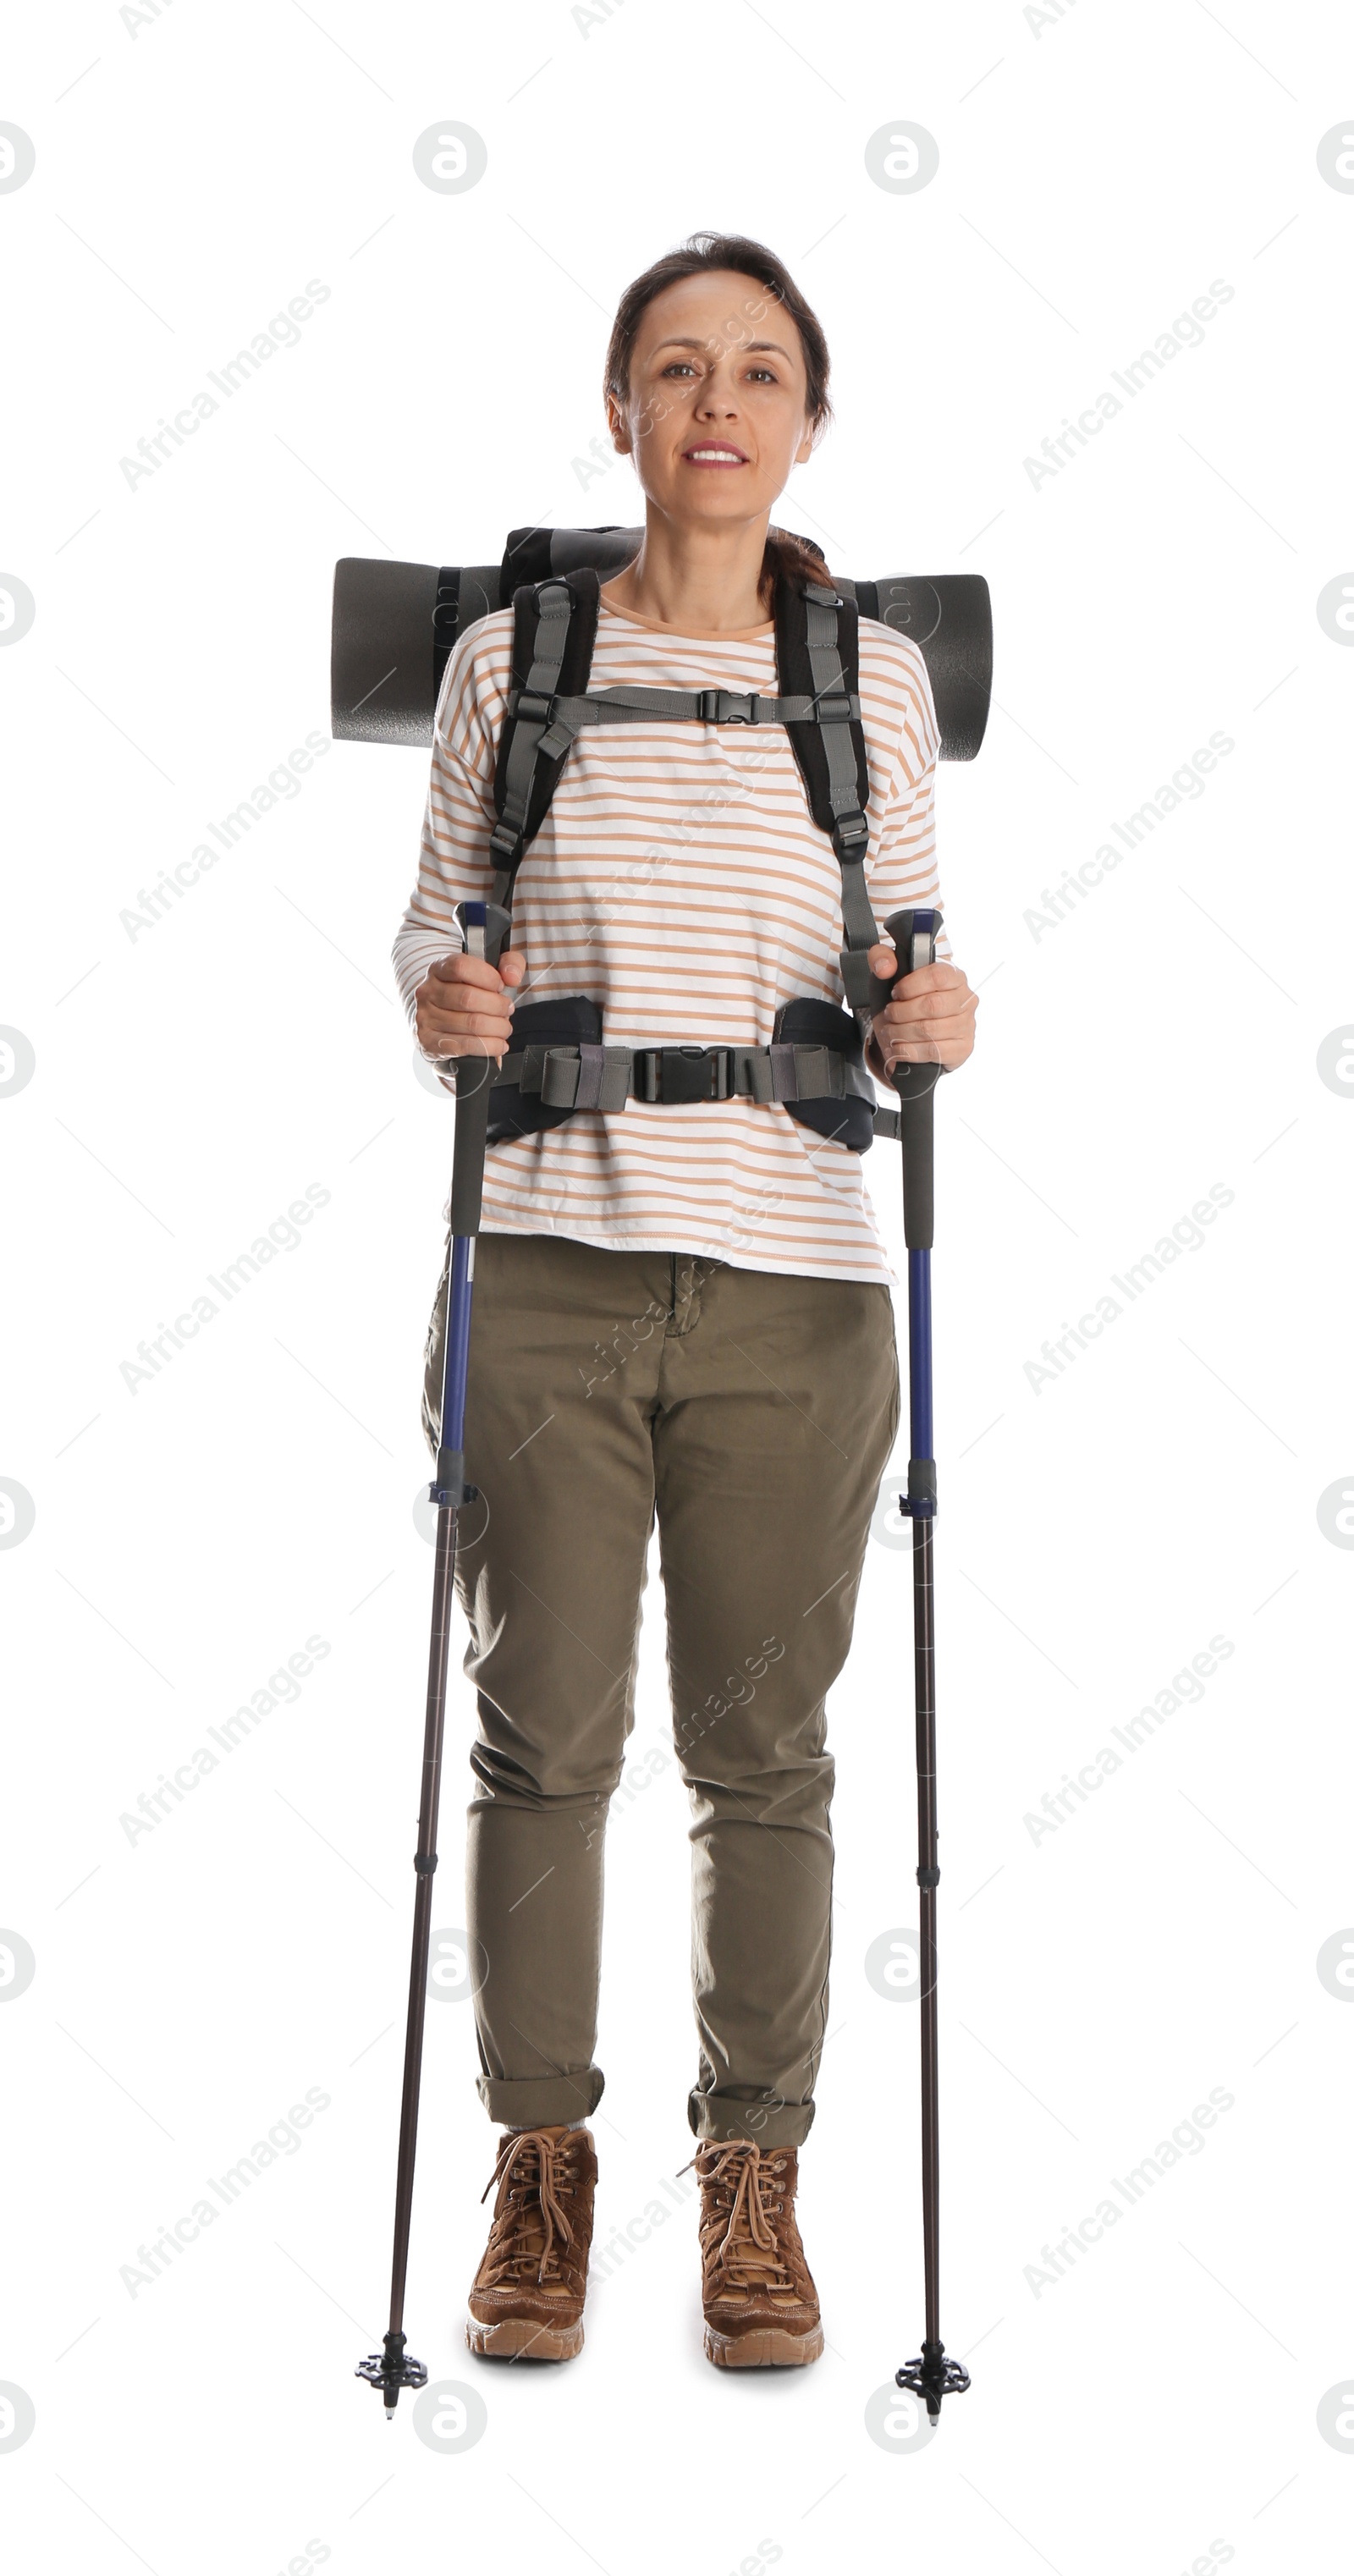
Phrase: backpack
(557, 1062)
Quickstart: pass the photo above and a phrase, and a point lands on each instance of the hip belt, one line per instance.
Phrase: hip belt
(557, 1065)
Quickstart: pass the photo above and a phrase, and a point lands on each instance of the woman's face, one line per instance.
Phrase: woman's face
(717, 411)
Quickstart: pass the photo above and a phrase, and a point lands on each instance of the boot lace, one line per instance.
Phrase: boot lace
(531, 2229)
(737, 2236)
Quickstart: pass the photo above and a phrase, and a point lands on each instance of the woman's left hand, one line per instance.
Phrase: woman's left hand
(930, 1019)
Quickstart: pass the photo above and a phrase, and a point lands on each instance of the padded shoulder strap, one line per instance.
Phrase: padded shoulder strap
(818, 651)
(554, 630)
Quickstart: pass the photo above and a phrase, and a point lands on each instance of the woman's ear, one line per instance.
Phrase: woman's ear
(619, 427)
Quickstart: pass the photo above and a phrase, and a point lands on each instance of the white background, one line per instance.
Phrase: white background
(1155, 2407)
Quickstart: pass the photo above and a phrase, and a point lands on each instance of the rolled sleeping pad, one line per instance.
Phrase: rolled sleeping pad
(395, 624)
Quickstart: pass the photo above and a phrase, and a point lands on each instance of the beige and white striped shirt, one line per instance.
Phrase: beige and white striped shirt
(680, 881)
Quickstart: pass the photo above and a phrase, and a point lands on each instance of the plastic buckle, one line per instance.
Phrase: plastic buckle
(727, 706)
(850, 836)
(836, 710)
(684, 1074)
(534, 707)
(678, 1075)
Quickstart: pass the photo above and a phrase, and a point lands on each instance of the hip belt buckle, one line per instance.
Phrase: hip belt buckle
(681, 1075)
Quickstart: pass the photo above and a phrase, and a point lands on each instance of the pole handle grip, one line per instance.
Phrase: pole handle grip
(912, 936)
(486, 929)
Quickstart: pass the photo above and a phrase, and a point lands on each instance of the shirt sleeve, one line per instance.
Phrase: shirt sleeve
(454, 864)
(900, 868)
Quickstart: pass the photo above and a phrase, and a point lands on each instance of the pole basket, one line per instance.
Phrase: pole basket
(933, 2375)
(392, 2369)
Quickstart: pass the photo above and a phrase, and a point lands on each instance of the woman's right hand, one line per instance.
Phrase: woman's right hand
(464, 1006)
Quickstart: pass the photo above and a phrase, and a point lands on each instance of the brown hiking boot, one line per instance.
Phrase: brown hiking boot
(527, 2296)
(761, 2308)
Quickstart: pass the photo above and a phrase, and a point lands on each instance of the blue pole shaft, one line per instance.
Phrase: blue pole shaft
(460, 1294)
(919, 1351)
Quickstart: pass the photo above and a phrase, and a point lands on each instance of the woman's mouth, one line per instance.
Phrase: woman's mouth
(713, 452)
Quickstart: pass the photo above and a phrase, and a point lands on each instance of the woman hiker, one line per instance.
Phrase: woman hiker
(680, 1311)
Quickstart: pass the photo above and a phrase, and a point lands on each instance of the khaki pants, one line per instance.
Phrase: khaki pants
(754, 1415)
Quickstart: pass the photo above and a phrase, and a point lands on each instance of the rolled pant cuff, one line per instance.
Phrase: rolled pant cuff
(540, 2101)
(769, 2123)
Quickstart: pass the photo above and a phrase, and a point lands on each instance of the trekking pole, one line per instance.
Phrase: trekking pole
(485, 928)
(913, 938)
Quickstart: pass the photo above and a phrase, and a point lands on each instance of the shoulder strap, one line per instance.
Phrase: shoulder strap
(818, 652)
(554, 630)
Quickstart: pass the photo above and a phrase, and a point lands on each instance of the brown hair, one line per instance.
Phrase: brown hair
(797, 557)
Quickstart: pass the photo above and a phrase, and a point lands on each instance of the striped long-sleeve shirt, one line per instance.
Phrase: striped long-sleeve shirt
(680, 881)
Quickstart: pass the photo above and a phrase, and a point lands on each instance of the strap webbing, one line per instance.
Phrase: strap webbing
(830, 691)
(694, 706)
(851, 833)
(531, 734)
(570, 1076)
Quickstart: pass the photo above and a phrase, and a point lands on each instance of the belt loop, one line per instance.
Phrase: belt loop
(591, 1066)
(784, 1082)
(561, 1072)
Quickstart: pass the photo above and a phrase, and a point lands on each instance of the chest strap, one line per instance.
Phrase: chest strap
(561, 719)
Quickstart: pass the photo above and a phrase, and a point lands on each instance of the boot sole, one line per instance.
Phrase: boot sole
(762, 2348)
(518, 2339)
